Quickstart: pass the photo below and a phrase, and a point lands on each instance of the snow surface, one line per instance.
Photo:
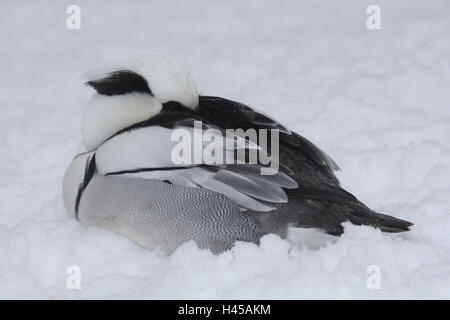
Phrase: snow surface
(377, 101)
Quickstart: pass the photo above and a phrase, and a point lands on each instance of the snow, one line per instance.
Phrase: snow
(377, 101)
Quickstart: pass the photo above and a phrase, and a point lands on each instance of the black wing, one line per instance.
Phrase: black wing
(299, 157)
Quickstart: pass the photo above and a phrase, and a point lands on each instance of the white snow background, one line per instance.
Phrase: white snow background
(377, 101)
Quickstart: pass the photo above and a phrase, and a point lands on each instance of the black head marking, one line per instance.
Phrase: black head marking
(120, 82)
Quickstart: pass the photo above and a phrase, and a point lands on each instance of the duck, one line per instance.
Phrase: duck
(125, 178)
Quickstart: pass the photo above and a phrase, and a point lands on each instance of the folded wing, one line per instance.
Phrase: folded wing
(146, 150)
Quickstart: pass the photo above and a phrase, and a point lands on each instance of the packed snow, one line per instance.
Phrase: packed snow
(378, 101)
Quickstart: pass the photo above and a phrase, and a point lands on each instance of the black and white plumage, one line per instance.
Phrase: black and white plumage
(125, 179)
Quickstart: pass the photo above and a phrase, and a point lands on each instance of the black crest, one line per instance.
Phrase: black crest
(120, 82)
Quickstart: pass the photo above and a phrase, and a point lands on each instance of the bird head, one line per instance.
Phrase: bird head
(132, 92)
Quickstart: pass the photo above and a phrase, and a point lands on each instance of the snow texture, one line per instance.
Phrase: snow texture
(378, 101)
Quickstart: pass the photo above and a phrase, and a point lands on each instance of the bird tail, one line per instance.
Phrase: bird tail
(329, 209)
(359, 214)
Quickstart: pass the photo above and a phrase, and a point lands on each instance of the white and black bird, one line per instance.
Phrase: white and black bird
(125, 180)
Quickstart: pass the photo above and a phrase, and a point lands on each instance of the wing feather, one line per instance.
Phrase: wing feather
(145, 151)
(231, 114)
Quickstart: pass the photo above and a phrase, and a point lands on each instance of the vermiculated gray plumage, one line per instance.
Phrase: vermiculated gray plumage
(158, 214)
